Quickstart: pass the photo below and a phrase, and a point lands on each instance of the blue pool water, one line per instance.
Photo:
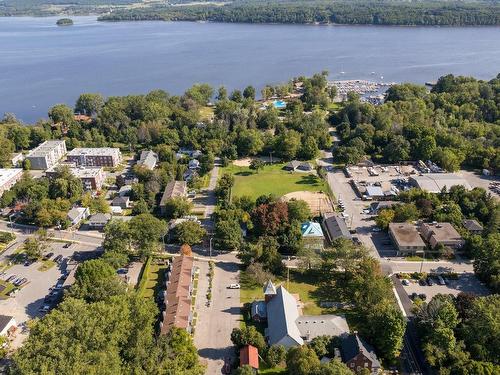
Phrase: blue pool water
(279, 104)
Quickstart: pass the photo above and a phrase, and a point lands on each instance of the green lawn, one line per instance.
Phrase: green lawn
(6, 288)
(272, 179)
(155, 276)
(299, 284)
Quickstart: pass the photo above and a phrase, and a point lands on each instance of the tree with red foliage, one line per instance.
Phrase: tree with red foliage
(269, 218)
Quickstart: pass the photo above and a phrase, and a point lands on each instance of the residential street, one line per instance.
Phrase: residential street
(215, 322)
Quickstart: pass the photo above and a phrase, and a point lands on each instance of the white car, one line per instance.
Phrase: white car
(405, 282)
(234, 286)
(344, 215)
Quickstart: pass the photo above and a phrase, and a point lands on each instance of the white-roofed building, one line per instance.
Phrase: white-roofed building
(435, 182)
(47, 154)
(8, 178)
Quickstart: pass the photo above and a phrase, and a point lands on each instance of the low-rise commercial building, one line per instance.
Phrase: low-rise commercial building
(178, 295)
(8, 178)
(441, 234)
(436, 182)
(95, 157)
(406, 238)
(47, 154)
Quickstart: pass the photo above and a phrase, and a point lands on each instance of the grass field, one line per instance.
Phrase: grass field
(272, 179)
(5, 289)
(299, 284)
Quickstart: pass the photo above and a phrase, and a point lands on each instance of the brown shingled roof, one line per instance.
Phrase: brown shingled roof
(178, 295)
(174, 189)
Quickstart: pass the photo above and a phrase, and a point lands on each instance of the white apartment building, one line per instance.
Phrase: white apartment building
(8, 178)
(47, 154)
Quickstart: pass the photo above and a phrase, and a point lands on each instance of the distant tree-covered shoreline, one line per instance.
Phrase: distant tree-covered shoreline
(322, 12)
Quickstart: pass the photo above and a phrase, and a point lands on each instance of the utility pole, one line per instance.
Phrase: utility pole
(422, 262)
(288, 277)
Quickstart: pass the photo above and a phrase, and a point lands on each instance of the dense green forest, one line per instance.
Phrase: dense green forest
(56, 7)
(324, 12)
(362, 12)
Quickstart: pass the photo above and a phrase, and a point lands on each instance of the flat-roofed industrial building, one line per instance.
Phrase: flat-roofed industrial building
(435, 182)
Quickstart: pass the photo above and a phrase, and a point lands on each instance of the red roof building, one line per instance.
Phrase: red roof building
(249, 355)
(178, 295)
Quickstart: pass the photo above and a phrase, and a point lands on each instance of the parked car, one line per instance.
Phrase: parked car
(44, 308)
(234, 286)
(122, 271)
(413, 296)
(422, 296)
(440, 280)
(430, 282)
(405, 282)
(11, 278)
(48, 256)
(422, 282)
(66, 245)
(58, 259)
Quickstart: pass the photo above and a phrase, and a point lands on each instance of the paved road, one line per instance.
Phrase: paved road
(85, 237)
(215, 323)
(211, 201)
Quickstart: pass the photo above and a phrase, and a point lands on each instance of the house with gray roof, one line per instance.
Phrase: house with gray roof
(296, 165)
(285, 324)
(282, 312)
(357, 354)
(335, 227)
(98, 221)
(473, 226)
(311, 326)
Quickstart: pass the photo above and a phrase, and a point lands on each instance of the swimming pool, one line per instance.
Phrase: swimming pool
(279, 104)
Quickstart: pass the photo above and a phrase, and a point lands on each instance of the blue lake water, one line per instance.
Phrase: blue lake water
(42, 64)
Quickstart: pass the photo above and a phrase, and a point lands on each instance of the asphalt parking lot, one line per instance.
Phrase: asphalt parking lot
(25, 304)
(466, 282)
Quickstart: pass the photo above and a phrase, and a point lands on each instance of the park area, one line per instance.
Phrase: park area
(272, 179)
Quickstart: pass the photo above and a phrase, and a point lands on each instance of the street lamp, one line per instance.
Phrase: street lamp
(163, 239)
(210, 243)
(11, 224)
